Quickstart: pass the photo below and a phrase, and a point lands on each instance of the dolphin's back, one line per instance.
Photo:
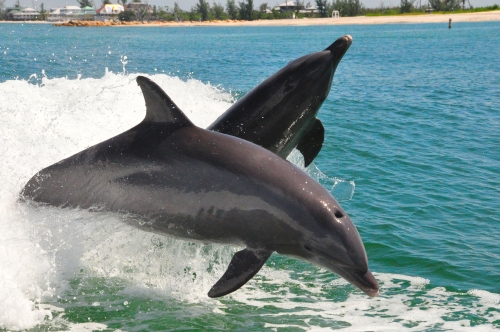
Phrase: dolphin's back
(228, 199)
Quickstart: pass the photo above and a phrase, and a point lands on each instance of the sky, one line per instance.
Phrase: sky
(187, 4)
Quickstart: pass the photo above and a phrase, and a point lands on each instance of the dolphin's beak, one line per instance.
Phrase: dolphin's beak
(339, 48)
(353, 269)
(356, 275)
(366, 282)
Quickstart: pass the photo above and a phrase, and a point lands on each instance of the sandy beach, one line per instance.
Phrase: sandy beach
(427, 18)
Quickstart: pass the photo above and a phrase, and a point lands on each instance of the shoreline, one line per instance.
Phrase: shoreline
(358, 20)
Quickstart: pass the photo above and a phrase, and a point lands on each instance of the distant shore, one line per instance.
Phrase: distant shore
(397, 19)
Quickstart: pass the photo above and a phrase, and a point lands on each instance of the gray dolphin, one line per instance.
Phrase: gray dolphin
(280, 113)
(201, 185)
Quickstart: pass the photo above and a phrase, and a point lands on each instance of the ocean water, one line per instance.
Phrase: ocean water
(412, 152)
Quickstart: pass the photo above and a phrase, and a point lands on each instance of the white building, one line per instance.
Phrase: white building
(26, 14)
(287, 6)
(309, 10)
(69, 13)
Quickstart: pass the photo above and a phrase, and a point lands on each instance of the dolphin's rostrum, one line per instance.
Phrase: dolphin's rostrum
(203, 185)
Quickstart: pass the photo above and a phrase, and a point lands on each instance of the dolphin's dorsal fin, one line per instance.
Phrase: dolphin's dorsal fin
(244, 265)
(311, 143)
(159, 107)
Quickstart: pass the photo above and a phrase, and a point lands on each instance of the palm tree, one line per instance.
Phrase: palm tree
(203, 7)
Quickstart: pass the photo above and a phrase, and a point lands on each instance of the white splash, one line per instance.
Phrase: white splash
(42, 124)
(342, 190)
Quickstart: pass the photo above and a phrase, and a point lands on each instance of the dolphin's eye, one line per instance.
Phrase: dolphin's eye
(306, 247)
(339, 214)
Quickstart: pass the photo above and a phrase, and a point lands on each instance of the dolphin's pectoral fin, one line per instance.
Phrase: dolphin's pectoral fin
(311, 143)
(244, 265)
(159, 107)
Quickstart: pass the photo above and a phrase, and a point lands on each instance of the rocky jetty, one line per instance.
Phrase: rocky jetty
(77, 23)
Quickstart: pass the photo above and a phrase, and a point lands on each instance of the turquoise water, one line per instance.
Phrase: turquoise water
(413, 120)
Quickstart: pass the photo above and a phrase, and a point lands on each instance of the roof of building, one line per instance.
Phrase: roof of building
(288, 4)
(28, 10)
(24, 13)
(111, 8)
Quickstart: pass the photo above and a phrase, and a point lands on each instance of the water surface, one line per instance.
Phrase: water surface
(412, 120)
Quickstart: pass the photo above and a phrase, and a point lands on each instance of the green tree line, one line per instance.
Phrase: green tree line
(245, 10)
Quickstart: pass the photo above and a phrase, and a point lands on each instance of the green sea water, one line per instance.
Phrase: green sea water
(412, 152)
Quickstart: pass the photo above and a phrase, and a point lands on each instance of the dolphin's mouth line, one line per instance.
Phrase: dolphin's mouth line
(324, 255)
(363, 279)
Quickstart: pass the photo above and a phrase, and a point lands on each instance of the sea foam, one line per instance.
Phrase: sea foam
(42, 124)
